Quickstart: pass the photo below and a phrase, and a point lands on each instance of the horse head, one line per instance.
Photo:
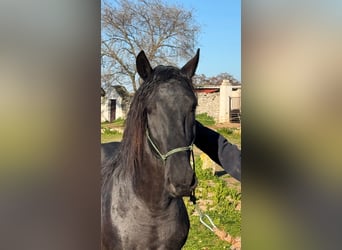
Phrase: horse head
(170, 121)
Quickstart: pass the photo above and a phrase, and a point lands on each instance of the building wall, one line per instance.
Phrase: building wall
(209, 103)
(105, 106)
(217, 105)
(104, 109)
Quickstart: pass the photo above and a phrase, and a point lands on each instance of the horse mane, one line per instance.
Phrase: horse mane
(131, 149)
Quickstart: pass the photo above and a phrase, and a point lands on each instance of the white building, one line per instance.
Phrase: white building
(114, 104)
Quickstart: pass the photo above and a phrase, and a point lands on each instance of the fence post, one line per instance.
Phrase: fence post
(225, 93)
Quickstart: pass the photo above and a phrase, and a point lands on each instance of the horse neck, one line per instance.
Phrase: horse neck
(149, 181)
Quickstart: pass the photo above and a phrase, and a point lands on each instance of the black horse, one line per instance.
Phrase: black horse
(143, 185)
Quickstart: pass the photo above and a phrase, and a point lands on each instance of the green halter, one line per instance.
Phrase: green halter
(171, 152)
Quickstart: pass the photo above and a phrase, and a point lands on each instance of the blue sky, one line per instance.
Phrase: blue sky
(220, 38)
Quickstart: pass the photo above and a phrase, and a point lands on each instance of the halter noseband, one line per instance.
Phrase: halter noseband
(172, 151)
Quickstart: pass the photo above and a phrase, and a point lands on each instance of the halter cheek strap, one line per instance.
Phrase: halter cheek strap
(171, 152)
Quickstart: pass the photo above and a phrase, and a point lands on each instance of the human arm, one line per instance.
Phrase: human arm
(219, 149)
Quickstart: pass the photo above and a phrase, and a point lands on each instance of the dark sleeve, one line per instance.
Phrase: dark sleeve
(219, 150)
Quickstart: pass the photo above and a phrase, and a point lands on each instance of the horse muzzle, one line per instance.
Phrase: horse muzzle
(180, 190)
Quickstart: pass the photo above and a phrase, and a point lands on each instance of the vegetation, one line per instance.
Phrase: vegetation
(202, 80)
(116, 123)
(233, 135)
(218, 201)
(110, 131)
(167, 32)
(119, 122)
(205, 119)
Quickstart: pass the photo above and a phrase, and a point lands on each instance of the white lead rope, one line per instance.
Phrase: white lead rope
(211, 226)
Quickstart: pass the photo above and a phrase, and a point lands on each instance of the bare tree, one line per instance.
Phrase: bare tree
(167, 34)
(202, 80)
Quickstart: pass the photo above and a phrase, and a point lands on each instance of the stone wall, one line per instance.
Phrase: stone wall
(221, 104)
(215, 104)
(209, 103)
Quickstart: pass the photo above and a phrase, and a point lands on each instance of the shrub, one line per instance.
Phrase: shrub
(108, 131)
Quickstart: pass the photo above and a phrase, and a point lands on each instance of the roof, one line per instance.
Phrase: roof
(120, 90)
(207, 89)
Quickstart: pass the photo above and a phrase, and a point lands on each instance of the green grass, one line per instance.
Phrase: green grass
(205, 119)
(233, 135)
(221, 204)
(110, 135)
(111, 138)
(120, 122)
(111, 131)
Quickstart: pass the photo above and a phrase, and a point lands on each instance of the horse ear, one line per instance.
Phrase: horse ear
(143, 66)
(103, 93)
(190, 67)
